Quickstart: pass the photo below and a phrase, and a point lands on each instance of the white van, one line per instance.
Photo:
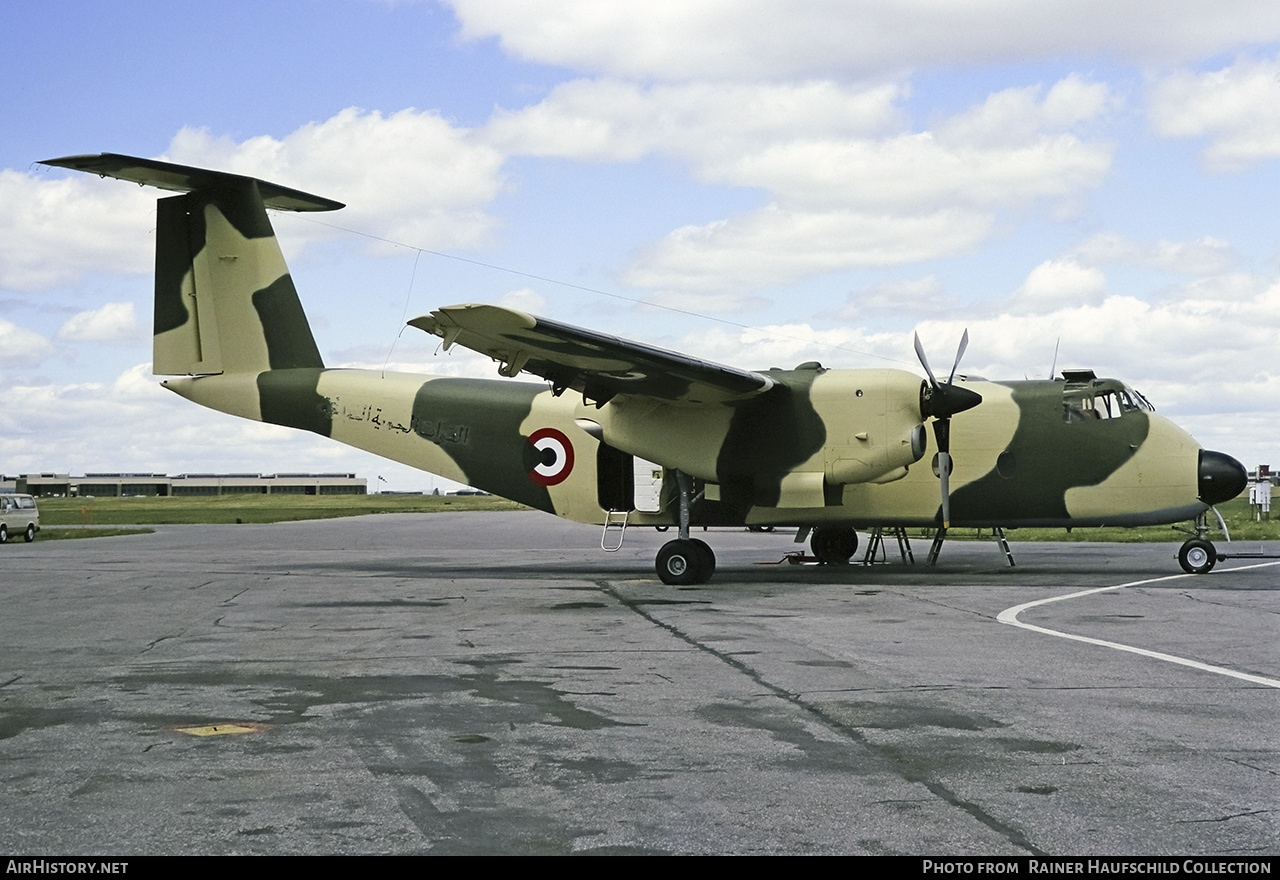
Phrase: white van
(18, 516)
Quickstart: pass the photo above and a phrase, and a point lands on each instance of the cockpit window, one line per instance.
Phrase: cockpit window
(1101, 401)
(1139, 401)
(1085, 407)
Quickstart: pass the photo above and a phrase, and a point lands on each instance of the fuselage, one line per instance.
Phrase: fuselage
(823, 447)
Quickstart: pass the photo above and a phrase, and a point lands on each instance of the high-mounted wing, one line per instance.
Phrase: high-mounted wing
(598, 365)
(185, 178)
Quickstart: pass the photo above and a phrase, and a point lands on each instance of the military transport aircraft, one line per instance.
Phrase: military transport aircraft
(650, 437)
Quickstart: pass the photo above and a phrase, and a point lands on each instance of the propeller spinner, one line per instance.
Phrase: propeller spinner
(940, 402)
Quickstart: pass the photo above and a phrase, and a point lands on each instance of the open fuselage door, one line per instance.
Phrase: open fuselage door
(624, 484)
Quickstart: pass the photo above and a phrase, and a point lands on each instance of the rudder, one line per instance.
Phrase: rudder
(224, 300)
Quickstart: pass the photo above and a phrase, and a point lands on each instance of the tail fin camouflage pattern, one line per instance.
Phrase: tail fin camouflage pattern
(224, 301)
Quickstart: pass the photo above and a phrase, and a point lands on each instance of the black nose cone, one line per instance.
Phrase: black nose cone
(1221, 477)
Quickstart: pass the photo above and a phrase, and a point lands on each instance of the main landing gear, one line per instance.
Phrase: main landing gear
(685, 560)
(833, 545)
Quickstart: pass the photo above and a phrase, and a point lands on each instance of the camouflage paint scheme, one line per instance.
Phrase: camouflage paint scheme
(805, 447)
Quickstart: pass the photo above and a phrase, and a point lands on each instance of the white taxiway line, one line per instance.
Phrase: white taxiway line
(1010, 616)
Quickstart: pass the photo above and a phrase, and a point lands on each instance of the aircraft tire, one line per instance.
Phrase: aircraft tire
(708, 567)
(30, 534)
(1197, 556)
(681, 563)
(834, 545)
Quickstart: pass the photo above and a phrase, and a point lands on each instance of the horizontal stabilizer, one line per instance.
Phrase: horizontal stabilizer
(598, 365)
(184, 178)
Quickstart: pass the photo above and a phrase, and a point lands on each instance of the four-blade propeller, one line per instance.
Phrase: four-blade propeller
(940, 402)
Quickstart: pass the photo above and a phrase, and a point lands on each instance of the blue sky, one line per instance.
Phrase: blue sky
(755, 182)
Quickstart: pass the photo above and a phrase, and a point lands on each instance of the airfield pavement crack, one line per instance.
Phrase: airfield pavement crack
(1267, 770)
(904, 770)
(231, 600)
(1225, 603)
(151, 644)
(1228, 817)
(911, 597)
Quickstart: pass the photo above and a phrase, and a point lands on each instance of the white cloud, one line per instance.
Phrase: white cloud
(917, 296)
(20, 347)
(920, 172)
(113, 322)
(757, 39)
(1204, 256)
(524, 300)
(54, 231)
(786, 345)
(411, 176)
(1013, 116)
(704, 123)
(847, 187)
(823, 145)
(1237, 108)
(776, 245)
(1060, 282)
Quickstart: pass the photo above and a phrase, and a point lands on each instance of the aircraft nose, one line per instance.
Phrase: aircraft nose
(1221, 477)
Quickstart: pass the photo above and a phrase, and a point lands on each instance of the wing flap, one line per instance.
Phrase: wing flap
(597, 365)
(185, 178)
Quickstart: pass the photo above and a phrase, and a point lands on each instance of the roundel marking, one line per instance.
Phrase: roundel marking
(556, 456)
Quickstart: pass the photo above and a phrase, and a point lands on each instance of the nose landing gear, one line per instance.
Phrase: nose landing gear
(1197, 556)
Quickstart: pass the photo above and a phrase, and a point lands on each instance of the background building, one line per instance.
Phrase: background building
(118, 485)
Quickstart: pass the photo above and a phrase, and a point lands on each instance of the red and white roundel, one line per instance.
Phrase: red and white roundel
(556, 456)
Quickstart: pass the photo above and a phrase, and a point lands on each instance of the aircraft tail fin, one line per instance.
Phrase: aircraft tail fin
(224, 300)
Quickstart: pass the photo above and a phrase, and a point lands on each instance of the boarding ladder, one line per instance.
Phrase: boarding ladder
(1004, 544)
(614, 521)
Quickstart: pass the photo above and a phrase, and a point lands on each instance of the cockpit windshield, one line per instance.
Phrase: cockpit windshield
(1101, 399)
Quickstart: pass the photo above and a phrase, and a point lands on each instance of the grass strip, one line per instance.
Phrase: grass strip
(154, 510)
(71, 533)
